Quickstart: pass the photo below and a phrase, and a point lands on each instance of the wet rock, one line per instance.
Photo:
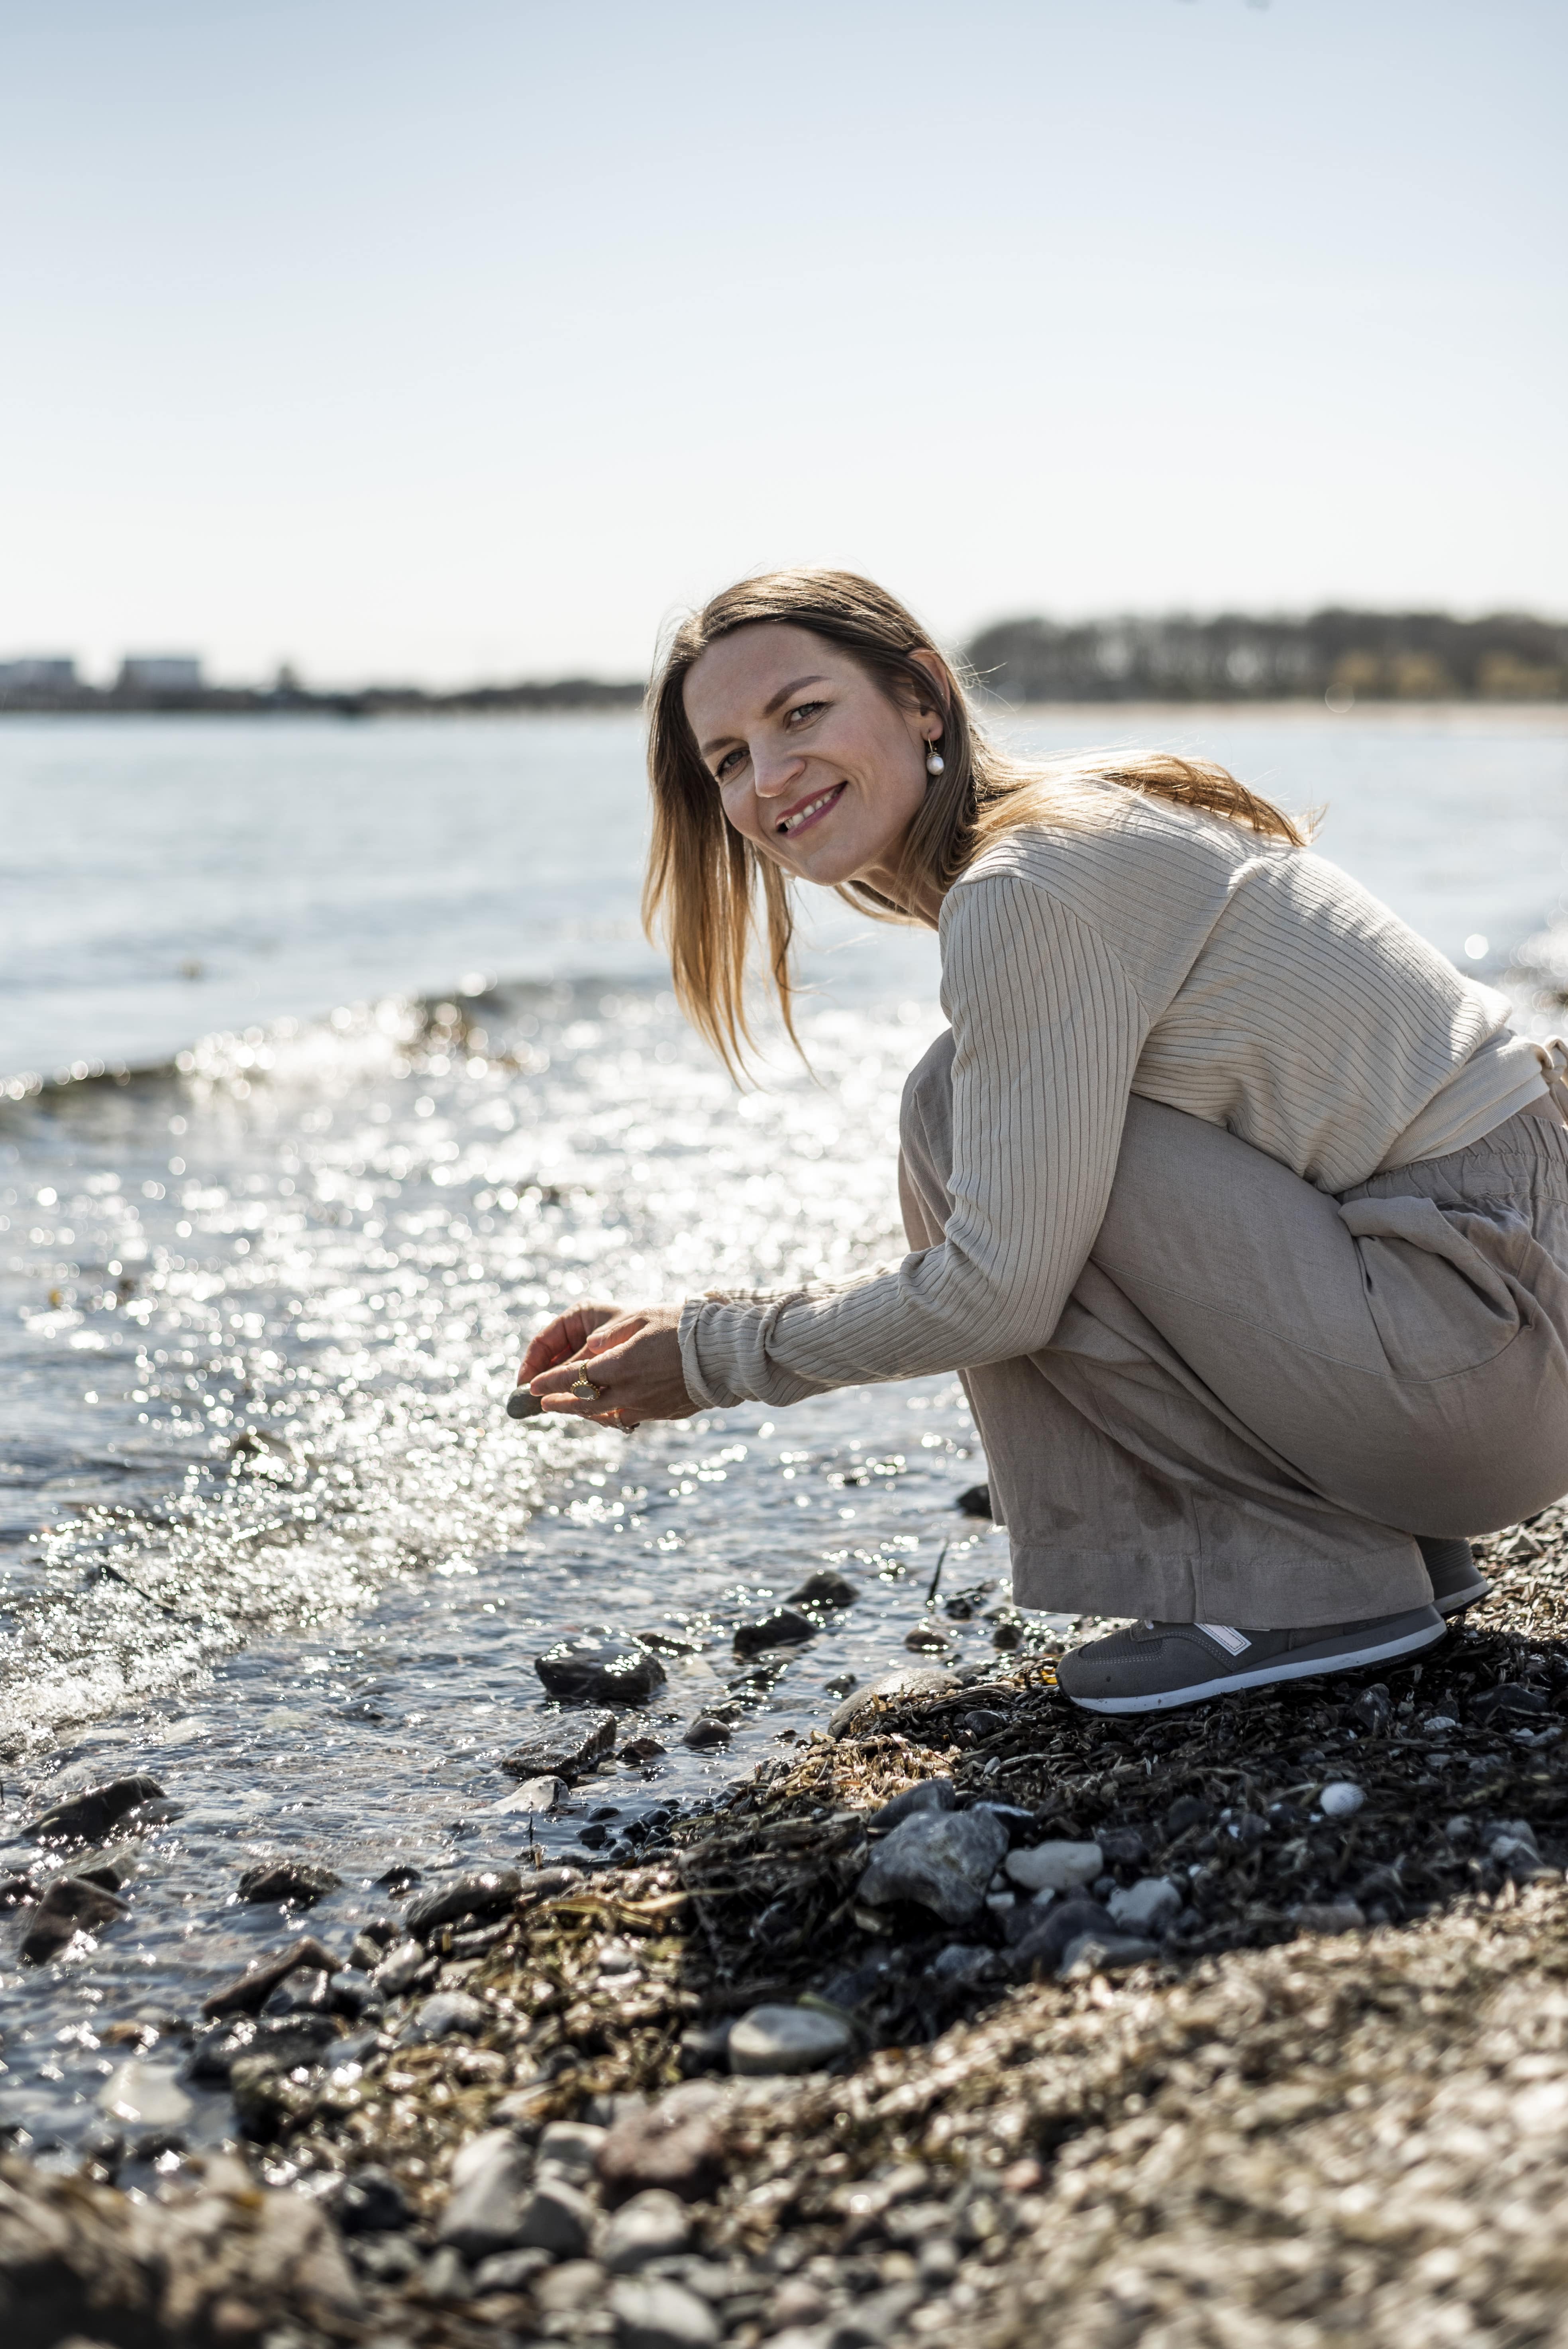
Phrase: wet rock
(962, 1964)
(975, 1501)
(642, 1749)
(148, 2093)
(652, 2226)
(1146, 1907)
(1043, 1946)
(942, 1859)
(705, 1731)
(449, 2014)
(18, 1891)
(510, 2271)
(397, 1969)
(599, 1668)
(535, 1795)
(1100, 1954)
(675, 2143)
(566, 1750)
(70, 1906)
(1330, 1917)
(1371, 1709)
(913, 1681)
(568, 2290)
(657, 2314)
(984, 1722)
(488, 1892)
(1341, 1798)
(446, 2275)
(487, 2211)
(281, 2040)
(1122, 1847)
(307, 1990)
(1187, 1811)
(930, 1794)
(1056, 1866)
(572, 2148)
(296, 1881)
(825, 1587)
(781, 1626)
(786, 2039)
(558, 2218)
(89, 1816)
(369, 2203)
(249, 1991)
(927, 1640)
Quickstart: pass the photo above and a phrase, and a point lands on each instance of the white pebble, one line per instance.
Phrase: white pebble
(1340, 1797)
(1055, 1867)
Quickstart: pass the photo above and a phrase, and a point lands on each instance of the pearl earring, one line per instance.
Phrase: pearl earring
(934, 762)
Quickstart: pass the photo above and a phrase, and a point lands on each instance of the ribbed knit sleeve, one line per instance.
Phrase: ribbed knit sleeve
(1047, 1029)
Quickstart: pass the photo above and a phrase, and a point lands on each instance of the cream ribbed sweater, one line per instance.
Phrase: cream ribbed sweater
(1134, 946)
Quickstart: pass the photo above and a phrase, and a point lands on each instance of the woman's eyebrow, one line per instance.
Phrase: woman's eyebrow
(718, 741)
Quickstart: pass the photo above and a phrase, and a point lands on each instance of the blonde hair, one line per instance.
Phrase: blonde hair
(703, 875)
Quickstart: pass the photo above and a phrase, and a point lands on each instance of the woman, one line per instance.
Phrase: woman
(1241, 1212)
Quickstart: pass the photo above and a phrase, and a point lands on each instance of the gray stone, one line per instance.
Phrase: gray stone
(776, 2039)
(534, 1794)
(675, 2143)
(72, 1905)
(942, 1859)
(558, 2217)
(249, 1991)
(781, 1626)
(568, 2290)
(299, 1881)
(706, 1731)
(661, 2315)
(931, 1794)
(914, 1681)
(398, 1968)
(566, 1750)
(1146, 1907)
(1330, 1917)
(487, 2209)
(1043, 1944)
(510, 2271)
(1102, 1953)
(652, 2226)
(599, 1668)
(572, 2146)
(446, 2276)
(450, 2014)
(825, 1587)
(488, 1892)
(88, 1817)
(1056, 1866)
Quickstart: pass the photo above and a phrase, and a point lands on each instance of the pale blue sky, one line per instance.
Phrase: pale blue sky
(450, 338)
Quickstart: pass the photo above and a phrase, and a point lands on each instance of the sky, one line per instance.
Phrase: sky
(442, 339)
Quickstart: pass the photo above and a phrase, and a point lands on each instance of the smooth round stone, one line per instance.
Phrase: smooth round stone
(148, 2092)
(773, 2039)
(449, 2014)
(1340, 1798)
(1056, 1866)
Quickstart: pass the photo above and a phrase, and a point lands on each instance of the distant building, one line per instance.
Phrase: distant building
(160, 673)
(53, 674)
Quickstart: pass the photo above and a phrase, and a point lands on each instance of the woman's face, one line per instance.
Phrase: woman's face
(812, 761)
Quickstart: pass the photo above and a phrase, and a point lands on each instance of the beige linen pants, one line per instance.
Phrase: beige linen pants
(1257, 1394)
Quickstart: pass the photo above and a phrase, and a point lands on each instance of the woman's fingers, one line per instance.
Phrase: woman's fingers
(563, 1337)
(634, 1375)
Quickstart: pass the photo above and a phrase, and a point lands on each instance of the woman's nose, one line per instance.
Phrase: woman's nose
(775, 770)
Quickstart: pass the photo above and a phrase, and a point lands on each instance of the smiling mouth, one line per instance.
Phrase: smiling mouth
(810, 811)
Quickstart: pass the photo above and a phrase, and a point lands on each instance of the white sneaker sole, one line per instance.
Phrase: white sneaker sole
(1296, 1668)
(1457, 1601)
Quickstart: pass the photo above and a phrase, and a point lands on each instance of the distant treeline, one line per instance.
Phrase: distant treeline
(295, 701)
(1341, 656)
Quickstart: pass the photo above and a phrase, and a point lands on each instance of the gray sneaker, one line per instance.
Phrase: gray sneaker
(1158, 1664)
(1456, 1581)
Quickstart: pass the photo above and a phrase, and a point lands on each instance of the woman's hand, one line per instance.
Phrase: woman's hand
(633, 1357)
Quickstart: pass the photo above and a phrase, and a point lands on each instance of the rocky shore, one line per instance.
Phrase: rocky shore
(971, 2015)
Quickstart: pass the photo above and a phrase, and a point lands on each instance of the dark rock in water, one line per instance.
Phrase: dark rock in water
(307, 1990)
(1187, 1811)
(1064, 1922)
(369, 2203)
(825, 1587)
(975, 1501)
(88, 1817)
(599, 1668)
(675, 2144)
(110, 1878)
(1122, 1846)
(942, 1859)
(916, 1680)
(281, 2040)
(707, 1730)
(931, 1794)
(16, 1891)
(487, 1893)
(249, 1991)
(781, 1626)
(296, 1881)
(928, 1640)
(399, 1878)
(69, 1907)
(642, 1749)
(566, 1750)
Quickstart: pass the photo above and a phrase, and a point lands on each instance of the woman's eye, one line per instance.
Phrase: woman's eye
(727, 765)
(806, 710)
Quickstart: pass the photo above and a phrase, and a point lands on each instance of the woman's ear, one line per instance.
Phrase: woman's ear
(935, 669)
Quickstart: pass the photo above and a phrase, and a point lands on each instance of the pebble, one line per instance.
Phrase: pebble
(558, 2217)
(825, 1587)
(485, 2214)
(296, 1881)
(510, 2271)
(599, 1669)
(927, 1640)
(652, 2226)
(975, 1501)
(779, 2039)
(942, 1859)
(705, 1731)
(489, 1892)
(1044, 1944)
(449, 2014)
(1187, 1811)
(930, 1794)
(568, 2290)
(913, 1682)
(661, 2315)
(642, 1749)
(1330, 1917)
(1147, 1906)
(570, 1748)
(1340, 1798)
(534, 1794)
(675, 2143)
(71, 1905)
(1056, 1866)
(1122, 1847)
(88, 1817)
(148, 2092)
(572, 2148)
(1099, 1954)
(249, 1991)
(781, 1626)
(370, 2203)
(398, 1968)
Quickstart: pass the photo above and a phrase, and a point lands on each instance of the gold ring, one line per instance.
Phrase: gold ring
(583, 1385)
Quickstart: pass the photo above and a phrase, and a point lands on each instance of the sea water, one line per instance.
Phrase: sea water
(397, 1076)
